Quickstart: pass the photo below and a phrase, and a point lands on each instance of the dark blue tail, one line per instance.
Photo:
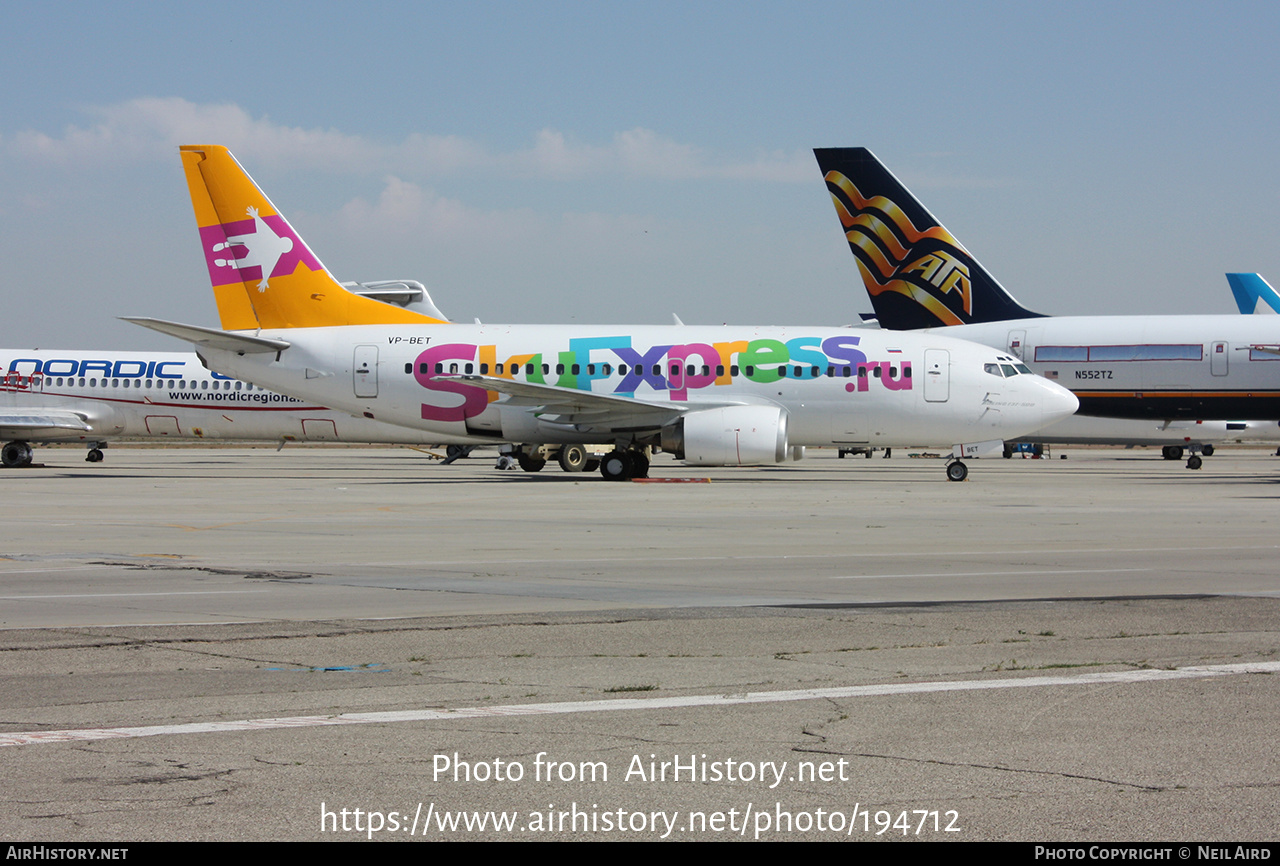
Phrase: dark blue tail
(917, 274)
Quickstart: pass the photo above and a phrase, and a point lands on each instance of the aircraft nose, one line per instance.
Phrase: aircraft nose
(1057, 402)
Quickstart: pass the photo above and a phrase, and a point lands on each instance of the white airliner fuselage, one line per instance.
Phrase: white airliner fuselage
(1159, 367)
(715, 395)
(93, 397)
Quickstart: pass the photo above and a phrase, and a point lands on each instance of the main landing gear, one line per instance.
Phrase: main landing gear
(625, 464)
(1174, 452)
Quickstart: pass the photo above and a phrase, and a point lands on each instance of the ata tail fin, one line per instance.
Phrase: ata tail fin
(917, 274)
(1249, 289)
(263, 273)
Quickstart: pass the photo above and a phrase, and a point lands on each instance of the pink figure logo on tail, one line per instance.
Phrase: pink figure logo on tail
(259, 247)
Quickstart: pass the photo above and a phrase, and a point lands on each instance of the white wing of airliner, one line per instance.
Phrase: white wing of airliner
(572, 406)
(19, 425)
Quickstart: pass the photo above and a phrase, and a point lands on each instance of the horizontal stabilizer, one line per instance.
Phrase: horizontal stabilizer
(243, 344)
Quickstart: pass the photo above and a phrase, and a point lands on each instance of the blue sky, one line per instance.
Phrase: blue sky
(615, 163)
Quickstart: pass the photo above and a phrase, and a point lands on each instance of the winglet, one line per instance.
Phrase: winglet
(1249, 289)
(917, 274)
(263, 274)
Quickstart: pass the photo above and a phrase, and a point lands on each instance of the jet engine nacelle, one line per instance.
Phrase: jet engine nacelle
(729, 436)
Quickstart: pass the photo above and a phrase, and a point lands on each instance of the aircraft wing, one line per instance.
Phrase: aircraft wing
(559, 405)
(34, 425)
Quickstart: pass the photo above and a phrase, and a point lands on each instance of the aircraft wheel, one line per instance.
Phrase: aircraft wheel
(867, 454)
(1194, 462)
(1207, 451)
(16, 454)
(530, 464)
(94, 455)
(616, 466)
(957, 471)
(639, 464)
(1008, 451)
(1172, 452)
(456, 452)
(572, 458)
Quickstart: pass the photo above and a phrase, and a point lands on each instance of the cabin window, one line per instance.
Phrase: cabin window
(750, 370)
(607, 369)
(1062, 353)
(1122, 353)
(1152, 352)
(576, 368)
(733, 370)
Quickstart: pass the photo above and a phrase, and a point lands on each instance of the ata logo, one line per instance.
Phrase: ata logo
(944, 272)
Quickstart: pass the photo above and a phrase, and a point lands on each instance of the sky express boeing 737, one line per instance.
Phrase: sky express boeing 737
(711, 396)
(1157, 367)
